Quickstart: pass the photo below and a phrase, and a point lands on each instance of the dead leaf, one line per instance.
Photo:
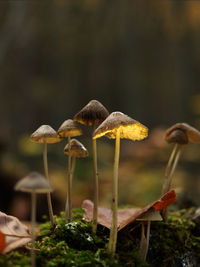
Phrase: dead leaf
(2, 242)
(17, 234)
(105, 214)
(126, 216)
(166, 200)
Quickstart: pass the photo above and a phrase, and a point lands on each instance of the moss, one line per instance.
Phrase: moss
(74, 244)
(175, 241)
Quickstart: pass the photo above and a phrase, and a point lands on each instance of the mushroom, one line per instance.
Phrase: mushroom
(46, 134)
(93, 114)
(118, 125)
(69, 128)
(179, 135)
(76, 150)
(34, 183)
(149, 216)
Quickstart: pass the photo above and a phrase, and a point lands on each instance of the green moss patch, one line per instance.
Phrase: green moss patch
(175, 243)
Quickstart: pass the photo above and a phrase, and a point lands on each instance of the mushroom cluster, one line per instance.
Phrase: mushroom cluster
(116, 126)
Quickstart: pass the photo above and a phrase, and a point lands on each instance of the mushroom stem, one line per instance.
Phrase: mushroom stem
(168, 182)
(174, 165)
(167, 170)
(68, 206)
(174, 157)
(33, 222)
(73, 168)
(96, 186)
(143, 242)
(47, 177)
(113, 230)
(147, 239)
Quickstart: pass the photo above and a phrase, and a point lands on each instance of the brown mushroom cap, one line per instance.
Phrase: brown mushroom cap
(177, 137)
(92, 114)
(129, 128)
(45, 133)
(69, 128)
(34, 183)
(76, 149)
(192, 133)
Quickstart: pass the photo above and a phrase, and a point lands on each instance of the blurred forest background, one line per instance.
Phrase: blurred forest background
(138, 57)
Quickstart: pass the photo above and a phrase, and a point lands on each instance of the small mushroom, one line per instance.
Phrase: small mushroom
(77, 150)
(148, 217)
(46, 134)
(179, 135)
(69, 129)
(34, 183)
(93, 114)
(116, 126)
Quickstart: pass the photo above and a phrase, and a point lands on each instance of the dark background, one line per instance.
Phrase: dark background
(138, 57)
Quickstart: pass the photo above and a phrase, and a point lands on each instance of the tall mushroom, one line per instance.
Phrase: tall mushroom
(179, 135)
(76, 150)
(47, 135)
(92, 114)
(116, 126)
(34, 183)
(69, 129)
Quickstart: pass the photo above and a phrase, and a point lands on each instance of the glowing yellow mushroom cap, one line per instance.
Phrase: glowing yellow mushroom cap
(69, 128)
(45, 133)
(128, 127)
(93, 113)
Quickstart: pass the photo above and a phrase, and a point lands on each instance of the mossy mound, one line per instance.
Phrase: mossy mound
(176, 243)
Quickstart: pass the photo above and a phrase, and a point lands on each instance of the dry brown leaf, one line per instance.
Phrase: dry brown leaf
(2, 242)
(126, 216)
(105, 214)
(17, 234)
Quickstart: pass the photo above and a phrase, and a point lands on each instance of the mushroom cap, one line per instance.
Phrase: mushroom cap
(45, 133)
(128, 127)
(77, 149)
(177, 136)
(34, 182)
(192, 133)
(151, 215)
(69, 128)
(93, 113)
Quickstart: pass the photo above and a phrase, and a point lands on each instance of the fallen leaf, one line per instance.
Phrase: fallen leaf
(126, 216)
(17, 234)
(105, 214)
(166, 200)
(2, 242)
